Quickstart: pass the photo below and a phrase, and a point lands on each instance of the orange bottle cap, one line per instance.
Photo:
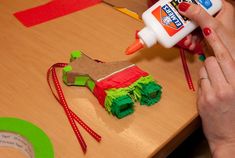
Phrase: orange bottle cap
(137, 45)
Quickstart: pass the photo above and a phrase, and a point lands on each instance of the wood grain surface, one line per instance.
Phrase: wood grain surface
(102, 33)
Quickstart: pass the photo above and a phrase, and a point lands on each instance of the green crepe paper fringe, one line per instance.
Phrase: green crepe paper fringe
(151, 94)
(113, 94)
(122, 106)
(140, 90)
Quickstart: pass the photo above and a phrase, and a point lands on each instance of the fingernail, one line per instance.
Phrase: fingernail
(183, 6)
(189, 44)
(182, 42)
(184, 39)
(207, 31)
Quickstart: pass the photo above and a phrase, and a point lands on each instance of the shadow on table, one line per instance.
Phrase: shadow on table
(158, 51)
(195, 146)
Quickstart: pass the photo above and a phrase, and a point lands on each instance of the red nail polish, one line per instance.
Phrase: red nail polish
(183, 6)
(184, 39)
(207, 31)
(190, 44)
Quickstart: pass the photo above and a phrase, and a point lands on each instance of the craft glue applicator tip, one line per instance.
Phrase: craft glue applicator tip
(134, 47)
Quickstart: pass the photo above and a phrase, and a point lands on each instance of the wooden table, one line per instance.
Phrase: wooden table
(102, 33)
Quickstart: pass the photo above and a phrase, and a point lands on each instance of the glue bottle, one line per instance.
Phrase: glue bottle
(164, 24)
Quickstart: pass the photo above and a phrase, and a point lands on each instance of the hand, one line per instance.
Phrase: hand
(216, 94)
(226, 17)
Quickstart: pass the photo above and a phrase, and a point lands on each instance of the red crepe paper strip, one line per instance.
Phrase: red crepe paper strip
(120, 79)
(52, 10)
(123, 78)
(100, 95)
(186, 70)
(72, 117)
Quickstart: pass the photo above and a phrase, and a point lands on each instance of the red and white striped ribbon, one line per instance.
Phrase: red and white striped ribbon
(72, 117)
(186, 70)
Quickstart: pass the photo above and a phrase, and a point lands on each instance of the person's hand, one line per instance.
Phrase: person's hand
(226, 17)
(216, 94)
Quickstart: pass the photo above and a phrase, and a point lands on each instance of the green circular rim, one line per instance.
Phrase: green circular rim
(40, 142)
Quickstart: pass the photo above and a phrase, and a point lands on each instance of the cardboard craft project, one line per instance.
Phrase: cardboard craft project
(116, 85)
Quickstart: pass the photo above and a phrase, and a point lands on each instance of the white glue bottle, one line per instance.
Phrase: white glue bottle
(165, 25)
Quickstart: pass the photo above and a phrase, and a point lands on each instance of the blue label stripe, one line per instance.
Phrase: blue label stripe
(205, 3)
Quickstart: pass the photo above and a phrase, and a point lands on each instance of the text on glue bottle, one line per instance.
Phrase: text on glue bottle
(165, 25)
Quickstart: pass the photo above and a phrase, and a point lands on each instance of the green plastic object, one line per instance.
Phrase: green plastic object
(75, 54)
(66, 69)
(91, 84)
(81, 80)
(122, 106)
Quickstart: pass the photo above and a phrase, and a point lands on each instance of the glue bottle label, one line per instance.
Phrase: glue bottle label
(175, 4)
(170, 18)
(164, 23)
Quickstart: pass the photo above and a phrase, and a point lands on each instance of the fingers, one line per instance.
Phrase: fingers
(193, 43)
(218, 47)
(184, 43)
(226, 16)
(220, 26)
(223, 57)
(188, 40)
(209, 27)
(198, 15)
(215, 73)
(204, 81)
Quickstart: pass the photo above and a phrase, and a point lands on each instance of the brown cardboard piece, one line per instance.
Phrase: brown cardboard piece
(137, 6)
(85, 66)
